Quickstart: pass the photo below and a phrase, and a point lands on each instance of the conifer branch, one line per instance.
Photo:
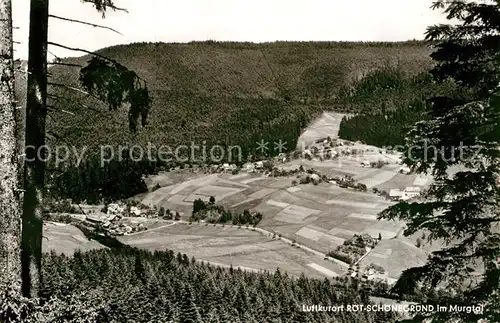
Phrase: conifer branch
(85, 23)
(76, 49)
(101, 7)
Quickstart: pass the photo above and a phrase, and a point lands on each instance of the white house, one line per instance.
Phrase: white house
(249, 167)
(135, 211)
(365, 163)
(396, 194)
(412, 191)
(405, 170)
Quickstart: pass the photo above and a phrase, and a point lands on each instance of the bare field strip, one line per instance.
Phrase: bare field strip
(361, 216)
(203, 180)
(399, 181)
(262, 193)
(231, 183)
(268, 210)
(155, 197)
(277, 204)
(277, 182)
(352, 195)
(323, 270)
(294, 214)
(421, 180)
(65, 239)
(378, 178)
(327, 125)
(179, 199)
(238, 176)
(251, 180)
(331, 241)
(192, 197)
(352, 204)
(306, 195)
(369, 173)
(337, 230)
(358, 225)
(310, 234)
(219, 192)
(243, 202)
(386, 234)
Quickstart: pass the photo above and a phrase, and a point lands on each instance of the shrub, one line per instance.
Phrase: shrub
(268, 165)
(63, 206)
(377, 268)
(340, 256)
(199, 205)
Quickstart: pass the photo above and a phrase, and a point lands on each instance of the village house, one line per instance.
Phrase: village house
(412, 192)
(406, 194)
(396, 194)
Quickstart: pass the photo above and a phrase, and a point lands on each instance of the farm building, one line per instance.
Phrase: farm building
(396, 194)
(408, 193)
(95, 220)
(412, 191)
(365, 163)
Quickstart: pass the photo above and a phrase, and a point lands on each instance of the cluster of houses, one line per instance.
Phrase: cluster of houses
(111, 221)
(329, 149)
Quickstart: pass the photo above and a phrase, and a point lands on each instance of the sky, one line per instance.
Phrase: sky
(228, 20)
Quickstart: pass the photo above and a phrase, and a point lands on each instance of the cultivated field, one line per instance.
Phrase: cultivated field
(225, 246)
(325, 125)
(317, 217)
(65, 239)
(320, 217)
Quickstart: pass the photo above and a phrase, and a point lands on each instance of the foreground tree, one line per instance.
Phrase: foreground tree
(103, 77)
(459, 147)
(10, 215)
(34, 168)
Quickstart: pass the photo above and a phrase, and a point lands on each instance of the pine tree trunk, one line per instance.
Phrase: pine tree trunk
(20, 95)
(10, 212)
(34, 169)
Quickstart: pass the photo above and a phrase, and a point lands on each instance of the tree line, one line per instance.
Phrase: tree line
(97, 286)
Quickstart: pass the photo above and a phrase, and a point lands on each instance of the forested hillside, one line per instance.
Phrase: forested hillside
(226, 92)
(130, 285)
(216, 93)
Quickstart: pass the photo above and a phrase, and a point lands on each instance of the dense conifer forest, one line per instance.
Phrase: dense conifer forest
(130, 285)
